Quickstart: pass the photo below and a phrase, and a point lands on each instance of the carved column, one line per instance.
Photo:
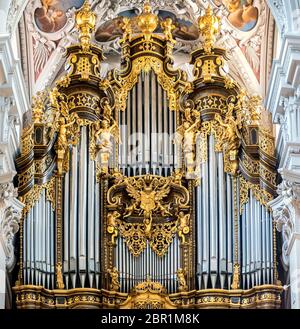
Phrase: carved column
(286, 213)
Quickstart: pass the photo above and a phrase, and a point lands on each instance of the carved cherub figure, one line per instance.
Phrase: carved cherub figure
(127, 29)
(182, 286)
(114, 279)
(168, 26)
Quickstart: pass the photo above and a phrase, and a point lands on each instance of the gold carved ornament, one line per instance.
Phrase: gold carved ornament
(182, 285)
(145, 64)
(114, 279)
(104, 135)
(148, 197)
(67, 127)
(147, 21)
(85, 22)
(209, 26)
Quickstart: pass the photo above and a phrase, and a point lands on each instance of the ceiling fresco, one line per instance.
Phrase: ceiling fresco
(243, 14)
(49, 28)
(51, 16)
(110, 30)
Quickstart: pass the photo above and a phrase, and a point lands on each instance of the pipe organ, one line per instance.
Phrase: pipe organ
(144, 189)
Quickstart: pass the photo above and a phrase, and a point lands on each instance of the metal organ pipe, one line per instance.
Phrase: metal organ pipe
(82, 210)
(212, 212)
(222, 220)
(73, 215)
(229, 229)
(66, 229)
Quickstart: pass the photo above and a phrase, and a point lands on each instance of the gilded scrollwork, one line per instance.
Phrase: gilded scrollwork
(146, 63)
(147, 198)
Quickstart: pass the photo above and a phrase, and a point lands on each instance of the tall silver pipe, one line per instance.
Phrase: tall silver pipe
(73, 215)
(52, 246)
(82, 205)
(199, 237)
(90, 215)
(244, 247)
(154, 144)
(147, 131)
(213, 212)
(42, 237)
(48, 243)
(140, 125)
(205, 191)
(97, 234)
(165, 140)
(222, 219)
(32, 244)
(66, 228)
(229, 228)
(268, 245)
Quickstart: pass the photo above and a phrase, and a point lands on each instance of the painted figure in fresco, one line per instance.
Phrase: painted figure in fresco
(51, 16)
(243, 14)
(114, 28)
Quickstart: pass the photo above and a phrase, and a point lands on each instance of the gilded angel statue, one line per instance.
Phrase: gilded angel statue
(103, 135)
(231, 137)
(186, 133)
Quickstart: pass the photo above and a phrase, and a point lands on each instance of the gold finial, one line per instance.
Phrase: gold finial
(209, 27)
(85, 22)
(147, 21)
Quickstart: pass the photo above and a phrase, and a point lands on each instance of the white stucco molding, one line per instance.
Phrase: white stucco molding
(285, 74)
(14, 78)
(286, 211)
(10, 215)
